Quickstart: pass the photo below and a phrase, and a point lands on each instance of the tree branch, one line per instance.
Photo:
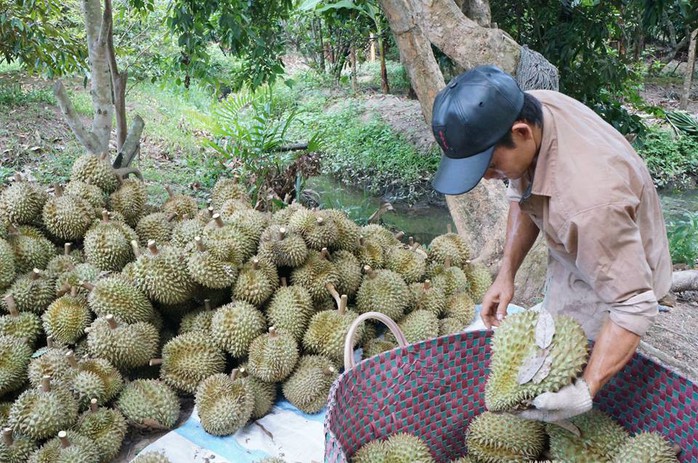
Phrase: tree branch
(88, 139)
(131, 144)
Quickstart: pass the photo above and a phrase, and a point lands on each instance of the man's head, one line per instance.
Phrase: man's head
(484, 124)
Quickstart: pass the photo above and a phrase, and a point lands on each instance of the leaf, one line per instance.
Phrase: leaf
(545, 329)
(544, 369)
(569, 426)
(530, 367)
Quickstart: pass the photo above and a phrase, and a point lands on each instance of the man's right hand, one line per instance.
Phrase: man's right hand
(496, 301)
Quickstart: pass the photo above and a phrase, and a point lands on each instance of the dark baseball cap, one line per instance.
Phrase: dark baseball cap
(470, 115)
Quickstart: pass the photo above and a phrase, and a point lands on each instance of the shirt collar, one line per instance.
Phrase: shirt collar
(541, 183)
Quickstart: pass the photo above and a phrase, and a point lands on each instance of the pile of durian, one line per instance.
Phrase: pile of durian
(115, 309)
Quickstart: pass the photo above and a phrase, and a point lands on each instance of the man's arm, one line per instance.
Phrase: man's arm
(521, 234)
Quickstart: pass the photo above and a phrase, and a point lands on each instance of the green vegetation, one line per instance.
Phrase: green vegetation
(671, 159)
(683, 239)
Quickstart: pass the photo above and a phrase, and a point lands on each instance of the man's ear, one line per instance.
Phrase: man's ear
(522, 131)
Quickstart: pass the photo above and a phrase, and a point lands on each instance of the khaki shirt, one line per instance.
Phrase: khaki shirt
(592, 197)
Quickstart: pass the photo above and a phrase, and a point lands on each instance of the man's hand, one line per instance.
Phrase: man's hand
(496, 301)
(569, 401)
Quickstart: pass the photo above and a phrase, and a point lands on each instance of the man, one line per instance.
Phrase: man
(576, 179)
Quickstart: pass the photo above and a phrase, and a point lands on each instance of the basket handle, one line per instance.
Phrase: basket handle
(348, 344)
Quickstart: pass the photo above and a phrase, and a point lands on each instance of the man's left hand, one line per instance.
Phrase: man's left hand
(569, 401)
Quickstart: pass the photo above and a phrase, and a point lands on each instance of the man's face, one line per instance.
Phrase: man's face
(512, 163)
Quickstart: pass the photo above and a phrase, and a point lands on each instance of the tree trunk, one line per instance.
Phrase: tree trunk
(352, 60)
(686, 280)
(385, 85)
(477, 10)
(689, 71)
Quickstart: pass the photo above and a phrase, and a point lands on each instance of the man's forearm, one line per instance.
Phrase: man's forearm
(521, 234)
(613, 349)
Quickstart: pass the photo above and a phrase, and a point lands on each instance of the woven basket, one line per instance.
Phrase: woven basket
(434, 388)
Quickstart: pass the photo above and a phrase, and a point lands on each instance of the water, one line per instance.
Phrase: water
(676, 204)
(422, 221)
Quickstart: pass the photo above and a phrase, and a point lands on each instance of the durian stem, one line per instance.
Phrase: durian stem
(67, 249)
(112, 323)
(207, 304)
(63, 437)
(105, 215)
(427, 284)
(49, 342)
(209, 209)
(282, 233)
(399, 235)
(36, 274)
(154, 362)
(93, 405)
(283, 281)
(369, 271)
(172, 216)
(410, 241)
(234, 373)
(11, 305)
(272, 331)
(676, 448)
(329, 371)
(333, 291)
(103, 156)
(58, 190)
(447, 262)
(218, 220)
(64, 289)
(287, 198)
(170, 193)
(448, 228)
(361, 241)
(255, 264)
(325, 253)
(136, 248)
(45, 383)
(7, 437)
(87, 285)
(73, 291)
(342, 307)
(199, 244)
(152, 247)
(72, 361)
(18, 177)
(320, 221)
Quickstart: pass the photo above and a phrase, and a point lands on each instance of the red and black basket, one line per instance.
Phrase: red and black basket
(434, 388)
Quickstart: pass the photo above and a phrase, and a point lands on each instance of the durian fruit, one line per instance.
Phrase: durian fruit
(256, 282)
(646, 447)
(107, 244)
(252, 222)
(224, 403)
(30, 247)
(407, 448)
(208, 270)
(189, 358)
(151, 457)
(407, 263)
(125, 346)
(185, 231)
(162, 275)
(500, 437)
(376, 346)
(461, 307)
(282, 216)
(4, 413)
(374, 451)
(93, 379)
(129, 200)
(290, 310)
(7, 264)
(40, 413)
(65, 262)
(22, 202)
(328, 329)
(234, 326)
(95, 170)
(282, 248)
(14, 360)
(382, 291)
(349, 269)
(316, 228)
(451, 280)
(514, 343)
(450, 325)
(75, 278)
(424, 296)
(479, 279)
(381, 235)
(105, 427)
(51, 361)
(227, 241)
(25, 325)
(230, 207)
(225, 189)
(309, 385)
(273, 356)
(66, 216)
(264, 393)
(149, 403)
(419, 325)
(32, 292)
(90, 193)
(449, 246)
(198, 320)
(370, 253)
(600, 438)
(348, 232)
(315, 274)
(181, 205)
(157, 227)
(115, 295)
(68, 447)
(15, 449)
(67, 317)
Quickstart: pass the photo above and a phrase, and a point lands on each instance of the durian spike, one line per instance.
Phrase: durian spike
(427, 284)
(93, 405)
(333, 291)
(282, 233)
(342, 307)
(447, 262)
(199, 244)
(234, 374)
(172, 216)
(72, 361)
(11, 305)
(136, 248)
(67, 249)
(87, 285)
(219, 222)
(152, 247)
(58, 190)
(112, 323)
(154, 362)
(63, 437)
(325, 253)
(399, 235)
(105, 215)
(272, 331)
(49, 342)
(170, 193)
(255, 264)
(7, 437)
(36, 274)
(361, 241)
(45, 383)
(284, 282)
(369, 271)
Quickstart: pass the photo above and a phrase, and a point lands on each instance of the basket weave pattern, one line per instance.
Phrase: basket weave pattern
(433, 389)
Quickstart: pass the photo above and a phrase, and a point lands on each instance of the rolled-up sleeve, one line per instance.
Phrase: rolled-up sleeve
(611, 259)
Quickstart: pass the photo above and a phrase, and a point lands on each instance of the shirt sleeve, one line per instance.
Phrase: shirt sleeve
(611, 259)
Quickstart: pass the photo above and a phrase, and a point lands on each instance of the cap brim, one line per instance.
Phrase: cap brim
(458, 176)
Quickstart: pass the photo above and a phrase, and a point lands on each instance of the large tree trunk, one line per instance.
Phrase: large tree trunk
(689, 71)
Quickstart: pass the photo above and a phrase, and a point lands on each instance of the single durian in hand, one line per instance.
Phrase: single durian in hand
(14, 360)
(496, 437)
(149, 403)
(234, 326)
(40, 413)
(125, 346)
(273, 356)
(105, 427)
(224, 403)
(15, 449)
(309, 385)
